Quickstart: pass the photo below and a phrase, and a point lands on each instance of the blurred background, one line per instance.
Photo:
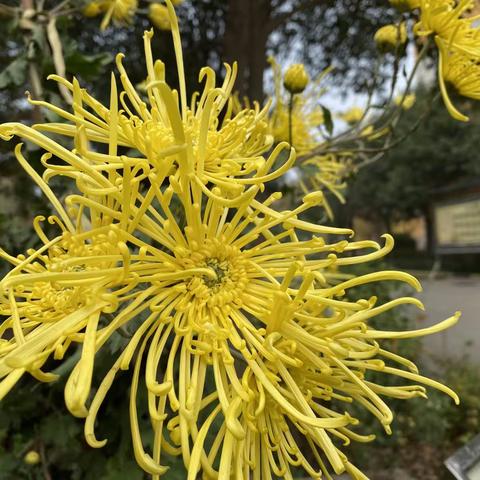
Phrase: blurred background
(425, 191)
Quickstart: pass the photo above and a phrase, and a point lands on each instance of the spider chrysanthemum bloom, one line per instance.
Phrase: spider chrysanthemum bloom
(54, 296)
(452, 22)
(239, 288)
(218, 145)
(325, 173)
(458, 39)
(298, 120)
(444, 18)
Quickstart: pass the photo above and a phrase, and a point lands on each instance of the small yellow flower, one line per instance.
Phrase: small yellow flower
(296, 78)
(406, 101)
(93, 9)
(353, 115)
(159, 16)
(389, 37)
(405, 5)
(31, 458)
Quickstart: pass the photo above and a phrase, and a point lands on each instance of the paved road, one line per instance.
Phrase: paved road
(442, 297)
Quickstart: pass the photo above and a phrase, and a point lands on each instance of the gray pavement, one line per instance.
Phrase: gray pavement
(395, 474)
(442, 297)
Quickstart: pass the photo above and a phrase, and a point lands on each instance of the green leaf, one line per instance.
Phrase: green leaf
(15, 73)
(87, 66)
(327, 118)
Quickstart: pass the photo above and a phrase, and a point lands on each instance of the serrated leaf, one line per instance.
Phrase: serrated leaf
(15, 73)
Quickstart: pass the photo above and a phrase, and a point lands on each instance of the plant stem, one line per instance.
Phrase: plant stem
(290, 126)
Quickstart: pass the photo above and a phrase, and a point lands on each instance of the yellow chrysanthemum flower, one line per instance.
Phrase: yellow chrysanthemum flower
(54, 296)
(458, 37)
(240, 287)
(216, 144)
(406, 101)
(390, 37)
(443, 17)
(460, 72)
(120, 11)
(159, 16)
(231, 285)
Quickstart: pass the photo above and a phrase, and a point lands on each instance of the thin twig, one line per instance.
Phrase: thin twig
(43, 457)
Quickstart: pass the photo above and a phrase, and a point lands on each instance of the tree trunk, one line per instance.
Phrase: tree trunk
(245, 41)
(235, 41)
(260, 11)
(429, 228)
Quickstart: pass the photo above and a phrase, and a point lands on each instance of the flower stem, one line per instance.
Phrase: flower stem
(290, 126)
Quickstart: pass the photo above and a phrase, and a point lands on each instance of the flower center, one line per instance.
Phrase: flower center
(229, 267)
(221, 269)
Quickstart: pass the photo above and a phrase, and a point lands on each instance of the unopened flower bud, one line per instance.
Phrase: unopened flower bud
(31, 458)
(296, 78)
(390, 37)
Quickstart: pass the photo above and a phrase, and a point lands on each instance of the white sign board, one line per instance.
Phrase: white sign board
(458, 225)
